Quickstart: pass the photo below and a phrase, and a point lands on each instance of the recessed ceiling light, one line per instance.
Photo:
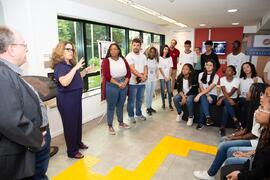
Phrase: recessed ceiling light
(235, 23)
(232, 10)
(202, 25)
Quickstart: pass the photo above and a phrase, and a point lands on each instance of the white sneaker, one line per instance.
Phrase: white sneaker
(203, 175)
(132, 119)
(190, 121)
(179, 117)
(142, 118)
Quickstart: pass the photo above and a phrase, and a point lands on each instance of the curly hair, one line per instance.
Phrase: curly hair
(148, 50)
(58, 54)
(253, 70)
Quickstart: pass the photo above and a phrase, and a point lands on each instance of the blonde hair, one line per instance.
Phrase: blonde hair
(58, 53)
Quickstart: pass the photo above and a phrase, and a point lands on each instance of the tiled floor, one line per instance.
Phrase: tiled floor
(130, 147)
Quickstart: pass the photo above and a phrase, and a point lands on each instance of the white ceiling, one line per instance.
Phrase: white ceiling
(191, 12)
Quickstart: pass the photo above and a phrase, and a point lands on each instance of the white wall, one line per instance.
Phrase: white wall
(36, 20)
(181, 35)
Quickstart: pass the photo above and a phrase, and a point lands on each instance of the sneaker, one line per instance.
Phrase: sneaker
(149, 112)
(132, 119)
(112, 131)
(199, 126)
(152, 110)
(222, 132)
(190, 121)
(163, 106)
(171, 108)
(203, 175)
(179, 117)
(142, 118)
(124, 126)
(209, 121)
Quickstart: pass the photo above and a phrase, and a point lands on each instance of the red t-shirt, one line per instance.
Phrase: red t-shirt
(174, 54)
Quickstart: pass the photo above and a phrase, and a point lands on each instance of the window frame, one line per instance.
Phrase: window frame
(83, 43)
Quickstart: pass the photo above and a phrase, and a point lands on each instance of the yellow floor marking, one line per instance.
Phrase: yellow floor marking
(81, 170)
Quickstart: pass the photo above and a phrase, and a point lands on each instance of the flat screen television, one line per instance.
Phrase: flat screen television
(219, 47)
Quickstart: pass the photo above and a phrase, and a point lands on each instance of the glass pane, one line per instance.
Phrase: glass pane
(94, 82)
(94, 33)
(119, 37)
(132, 35)
(156, 39)
(146, 40)
(71, 31)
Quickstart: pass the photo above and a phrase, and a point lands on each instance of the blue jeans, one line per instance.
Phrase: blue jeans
(204, 107)
(190, 104)
(236, 160)
(228, 111)
(42, 159)
(221, 155)
(116, 98)
(136, 92)
(149, 92)
(169, 90)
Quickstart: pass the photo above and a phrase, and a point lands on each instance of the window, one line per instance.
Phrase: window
(146, 40)
(71, 31)
(94, 33)
(156, 39)
(118, 35)
(85, 36)
(131, 36)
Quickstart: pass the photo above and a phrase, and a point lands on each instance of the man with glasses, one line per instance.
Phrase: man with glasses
(188, 57)
(24, 134)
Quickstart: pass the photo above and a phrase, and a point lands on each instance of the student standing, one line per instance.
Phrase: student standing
(209, 54)
(116, 74)
(165, 69)
(152, 66)
(187, 57)
(266, 73)
(174, 53)
(208, 81)
(229, 86)
(138, 67)
(187, 87)
(197, 67)
(236, 58)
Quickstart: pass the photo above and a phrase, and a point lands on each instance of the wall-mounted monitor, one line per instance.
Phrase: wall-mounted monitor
(219, 47)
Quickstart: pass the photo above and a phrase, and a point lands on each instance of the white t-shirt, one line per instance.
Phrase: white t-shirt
(152, 66)
(190, 58)
(117, 68)
(236, 61)
(255, 131)
(229, 85)
(186, 88)
(267, 69)
(245, 85)
(215, 81)
(139, 61)
(165, 64)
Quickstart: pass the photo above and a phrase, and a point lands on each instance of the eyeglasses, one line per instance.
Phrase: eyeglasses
(70, 50)
(20, 44)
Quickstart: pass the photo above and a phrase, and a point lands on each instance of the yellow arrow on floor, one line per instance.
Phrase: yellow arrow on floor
(81, 170)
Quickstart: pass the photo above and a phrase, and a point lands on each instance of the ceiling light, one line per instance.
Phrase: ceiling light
(235, 23)
(145, 9)
(202, 25)
(127, 2)
(232, 10)
(167, 19)
(180, 24)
